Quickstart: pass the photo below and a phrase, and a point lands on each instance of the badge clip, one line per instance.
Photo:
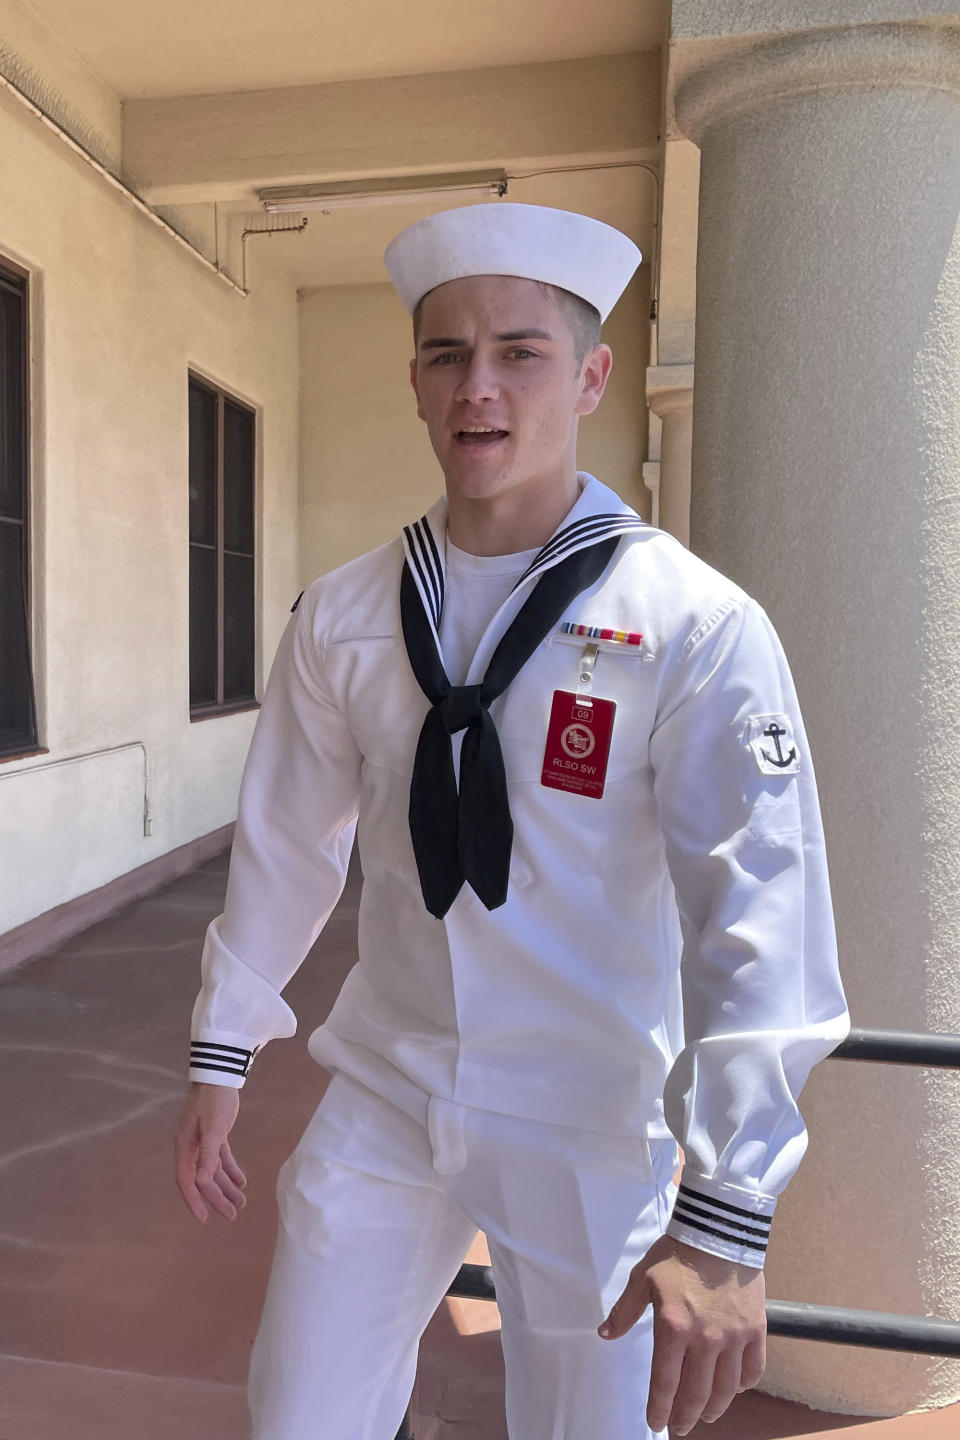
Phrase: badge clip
(588, 661)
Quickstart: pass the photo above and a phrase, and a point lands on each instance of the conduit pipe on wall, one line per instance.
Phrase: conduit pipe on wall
(655, 258)
(125, 190)
(90, 755)
(271, 230)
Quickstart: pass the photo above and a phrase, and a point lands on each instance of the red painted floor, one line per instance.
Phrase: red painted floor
(121, 1318)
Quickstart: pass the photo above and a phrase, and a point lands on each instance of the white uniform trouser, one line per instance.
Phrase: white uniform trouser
(378, 1209)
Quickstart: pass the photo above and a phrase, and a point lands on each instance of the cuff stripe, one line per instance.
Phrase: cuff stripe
(214, 1045)
(724, 1205)
(720, 1234)
(210, 1055)
(228, 1060)
(682, 1208)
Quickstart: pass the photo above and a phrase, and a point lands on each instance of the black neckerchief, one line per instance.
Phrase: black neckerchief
(469, 835)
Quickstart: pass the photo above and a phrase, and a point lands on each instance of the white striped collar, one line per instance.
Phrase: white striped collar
(597, 514)
(425, 549)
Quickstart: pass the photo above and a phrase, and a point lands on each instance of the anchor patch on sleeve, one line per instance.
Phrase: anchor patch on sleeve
(772, 741)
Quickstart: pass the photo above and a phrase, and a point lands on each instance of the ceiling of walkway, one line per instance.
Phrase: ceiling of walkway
(346, 247)
(180, 47)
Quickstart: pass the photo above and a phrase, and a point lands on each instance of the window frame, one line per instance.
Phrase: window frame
(209, 710)
(28, 744)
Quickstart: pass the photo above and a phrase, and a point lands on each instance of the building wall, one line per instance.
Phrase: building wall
(366, 462)
(119, 312)
(60, 81)
(678, 265)
(366, 466)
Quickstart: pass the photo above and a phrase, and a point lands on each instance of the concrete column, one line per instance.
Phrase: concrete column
(826, 480)
(670, 395)
(651, 481)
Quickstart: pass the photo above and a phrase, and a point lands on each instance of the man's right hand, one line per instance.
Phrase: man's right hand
(206, 1169)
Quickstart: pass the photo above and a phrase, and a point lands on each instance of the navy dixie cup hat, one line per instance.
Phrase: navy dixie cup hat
(535, 242)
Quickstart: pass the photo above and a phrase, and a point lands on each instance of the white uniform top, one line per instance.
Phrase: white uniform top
(665, 962)
(475, 586)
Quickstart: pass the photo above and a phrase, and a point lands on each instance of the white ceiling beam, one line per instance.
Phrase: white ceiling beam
(228, 146)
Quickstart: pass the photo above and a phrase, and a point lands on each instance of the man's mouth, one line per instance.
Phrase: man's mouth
(480, 435)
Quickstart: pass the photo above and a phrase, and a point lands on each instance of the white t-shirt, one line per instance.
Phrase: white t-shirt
(475, 587)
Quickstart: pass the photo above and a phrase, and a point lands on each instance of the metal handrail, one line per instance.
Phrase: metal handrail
(873, 1329)
(832, 1324)
(900, 1047)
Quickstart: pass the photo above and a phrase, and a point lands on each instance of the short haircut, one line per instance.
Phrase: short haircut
(583, 319)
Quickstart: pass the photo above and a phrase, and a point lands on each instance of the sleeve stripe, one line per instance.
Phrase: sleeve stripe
(720, 1234)
(229, 1059)
(724, 1205)
(206, 1065)
(229, 1062)
(683, 1208)
(214, 1045)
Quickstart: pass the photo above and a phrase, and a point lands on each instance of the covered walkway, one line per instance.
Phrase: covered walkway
(120, 1317)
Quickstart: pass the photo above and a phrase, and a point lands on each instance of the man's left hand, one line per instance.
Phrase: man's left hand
(709, 1330)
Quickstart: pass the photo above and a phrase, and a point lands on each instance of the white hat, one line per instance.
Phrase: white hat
(573, 251)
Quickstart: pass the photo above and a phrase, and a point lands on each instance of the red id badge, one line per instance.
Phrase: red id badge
(578, 744)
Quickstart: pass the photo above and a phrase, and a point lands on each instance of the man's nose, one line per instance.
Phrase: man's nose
(477, 381)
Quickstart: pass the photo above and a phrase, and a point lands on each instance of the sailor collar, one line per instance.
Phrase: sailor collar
(597, 514)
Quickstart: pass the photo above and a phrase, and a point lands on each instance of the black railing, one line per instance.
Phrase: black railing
(874, 1329)
(900, 1047)
(834, 1325)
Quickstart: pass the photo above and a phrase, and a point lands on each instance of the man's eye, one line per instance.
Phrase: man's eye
(522, 352)
(442, 359)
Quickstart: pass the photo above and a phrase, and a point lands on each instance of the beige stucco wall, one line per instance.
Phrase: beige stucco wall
(613, 441)
(366, 465)
(60, 81)
(119, 313)
(366, 462)
(678, 266)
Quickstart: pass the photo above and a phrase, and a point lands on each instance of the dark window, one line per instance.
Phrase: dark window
(18, 721)
(222, 465)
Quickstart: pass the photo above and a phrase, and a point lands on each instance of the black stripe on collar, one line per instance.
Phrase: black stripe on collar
(430, 579)
(569, 532)
(585, 532)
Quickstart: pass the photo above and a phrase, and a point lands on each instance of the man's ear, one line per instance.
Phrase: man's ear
(416, 391)
(597, 365)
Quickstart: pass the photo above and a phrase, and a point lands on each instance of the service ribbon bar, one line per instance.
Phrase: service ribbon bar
(597, 632)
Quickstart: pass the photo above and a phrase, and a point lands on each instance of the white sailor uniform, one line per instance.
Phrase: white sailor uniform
(663, 969)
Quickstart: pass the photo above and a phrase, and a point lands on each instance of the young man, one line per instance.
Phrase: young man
(595, 917)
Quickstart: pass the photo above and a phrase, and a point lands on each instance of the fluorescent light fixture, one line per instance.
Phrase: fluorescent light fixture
(389, 190)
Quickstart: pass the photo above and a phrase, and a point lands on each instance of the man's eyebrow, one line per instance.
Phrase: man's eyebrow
(448, 343)
(442, 344)
(529, 334)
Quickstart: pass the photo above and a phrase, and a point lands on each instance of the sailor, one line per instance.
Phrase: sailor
(595, 918)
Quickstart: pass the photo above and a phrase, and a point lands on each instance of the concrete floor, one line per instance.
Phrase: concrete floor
(121, 1318)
